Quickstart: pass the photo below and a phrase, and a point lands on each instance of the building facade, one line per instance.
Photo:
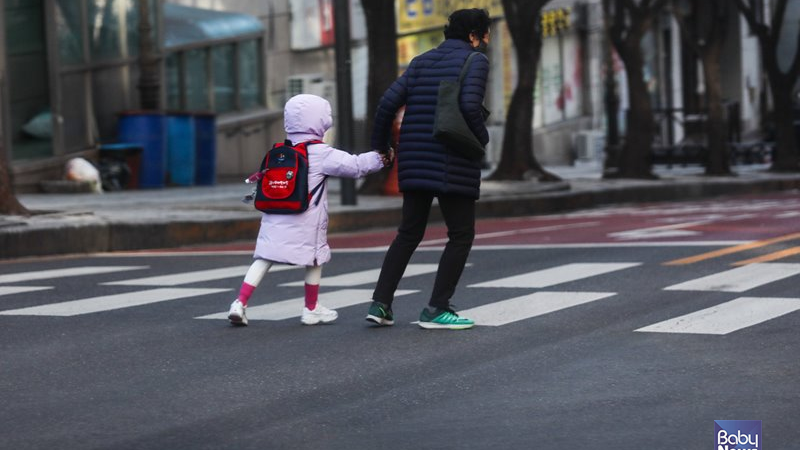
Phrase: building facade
(68, 68)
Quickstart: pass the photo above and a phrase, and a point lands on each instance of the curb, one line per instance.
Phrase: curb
(80, 233)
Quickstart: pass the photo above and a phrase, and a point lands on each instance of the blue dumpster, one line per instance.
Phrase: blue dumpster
(146, 128)
(180, 148)
(205, 149)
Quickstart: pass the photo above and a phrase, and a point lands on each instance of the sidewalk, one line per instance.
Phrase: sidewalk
(179, 216)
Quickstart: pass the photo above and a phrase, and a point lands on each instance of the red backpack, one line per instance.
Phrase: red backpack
(283, 180)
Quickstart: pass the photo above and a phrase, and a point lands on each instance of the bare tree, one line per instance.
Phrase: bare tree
(382, 56)
(517, 160)
(704, 27)
(630, 20)
(781, 82)
(9, 205)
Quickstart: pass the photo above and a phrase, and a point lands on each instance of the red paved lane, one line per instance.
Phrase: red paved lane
(740, 219)
(744, 218)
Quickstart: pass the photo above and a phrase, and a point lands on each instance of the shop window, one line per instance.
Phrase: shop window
(560, 79)
(108, 31)
(172, 72)
(68, 29)
(214, 59)
(74, 100)
(224, 76)
(250, 90)
(196, 80)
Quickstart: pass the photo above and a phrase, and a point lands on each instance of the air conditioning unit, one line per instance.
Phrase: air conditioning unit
(589, 145)
(312, 83)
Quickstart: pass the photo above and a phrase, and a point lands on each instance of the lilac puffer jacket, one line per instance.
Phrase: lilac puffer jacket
(302, 239)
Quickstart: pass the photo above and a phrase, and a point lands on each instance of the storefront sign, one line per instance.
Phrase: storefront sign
(418, 15)
(555, 21)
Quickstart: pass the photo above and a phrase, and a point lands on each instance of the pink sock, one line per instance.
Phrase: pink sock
(312, 292)
(245, 292)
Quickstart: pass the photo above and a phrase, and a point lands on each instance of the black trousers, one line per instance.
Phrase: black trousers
(459, 216)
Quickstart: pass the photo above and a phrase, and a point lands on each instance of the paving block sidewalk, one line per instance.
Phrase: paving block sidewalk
(181, 216)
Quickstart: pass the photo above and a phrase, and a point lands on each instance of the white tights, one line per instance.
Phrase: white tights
(260, 267)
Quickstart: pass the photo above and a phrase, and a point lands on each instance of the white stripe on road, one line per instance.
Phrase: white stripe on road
(516, 232)
(61, 273)
(728, 317)
(660, 232)
(556, 275)
(178, 279)
(369, 276)
(739, 279)
(288, 309)
(8, 290)
(527, 306)
(110, 302)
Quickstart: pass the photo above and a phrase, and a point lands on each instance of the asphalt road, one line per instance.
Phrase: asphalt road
(630, 328)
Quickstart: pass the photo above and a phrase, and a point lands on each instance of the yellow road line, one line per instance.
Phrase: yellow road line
(730, 250)
(770, 257)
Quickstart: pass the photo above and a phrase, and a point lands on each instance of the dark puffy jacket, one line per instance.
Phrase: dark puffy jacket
(424, 163)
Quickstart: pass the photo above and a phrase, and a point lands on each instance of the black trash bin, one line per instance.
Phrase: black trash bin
(120, 166)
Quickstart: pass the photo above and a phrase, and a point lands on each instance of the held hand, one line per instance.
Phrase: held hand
(387, 157)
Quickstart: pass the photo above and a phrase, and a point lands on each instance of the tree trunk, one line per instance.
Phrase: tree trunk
(640, 127)
(382, 57)
(786, 153)
(718, 155)
(517, 160)
(9, 205)
(785, 157)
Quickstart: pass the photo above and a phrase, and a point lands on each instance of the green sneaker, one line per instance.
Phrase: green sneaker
(443, 319)
(380, 314)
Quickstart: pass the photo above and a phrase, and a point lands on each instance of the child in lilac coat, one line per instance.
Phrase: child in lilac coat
(302, 239)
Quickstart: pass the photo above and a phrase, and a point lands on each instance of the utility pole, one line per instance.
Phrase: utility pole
(149, 82)
(344, 90)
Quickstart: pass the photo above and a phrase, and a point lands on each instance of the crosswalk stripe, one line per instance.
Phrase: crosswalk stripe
(8, 290)
(178, 279)
(516, 232)
(369, 276)
(728, 317)
(556, 275)
(739, 279)
(528, 306)
(288, 309)
(61, 273)
(110, 302)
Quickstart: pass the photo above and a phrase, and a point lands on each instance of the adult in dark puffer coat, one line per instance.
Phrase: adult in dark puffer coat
(427, 168)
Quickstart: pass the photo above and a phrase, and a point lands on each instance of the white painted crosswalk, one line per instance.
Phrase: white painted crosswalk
(528, 306)
(10, 290)
(345, 290)
(740, 279)
(110, 302)
(728, 317)
(61, 273)
(369, 276)
(288, 309)
(177, 279)
(556, 275)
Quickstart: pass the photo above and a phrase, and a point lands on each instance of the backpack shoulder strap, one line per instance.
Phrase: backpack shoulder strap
(321, 186)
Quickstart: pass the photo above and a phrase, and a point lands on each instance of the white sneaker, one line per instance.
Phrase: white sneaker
(319, 314)
(237, 314)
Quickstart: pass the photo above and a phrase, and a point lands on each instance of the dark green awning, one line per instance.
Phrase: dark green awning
(187, 26)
